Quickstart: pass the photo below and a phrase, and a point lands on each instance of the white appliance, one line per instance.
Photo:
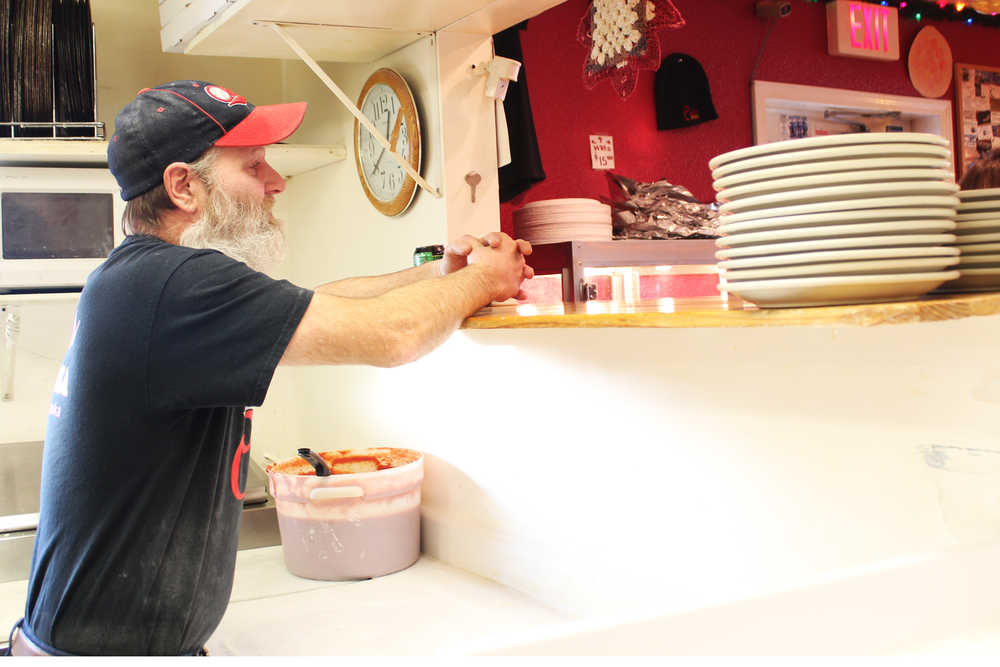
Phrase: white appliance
(56, 226)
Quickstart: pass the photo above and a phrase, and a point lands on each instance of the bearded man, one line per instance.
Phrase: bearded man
(175, 335)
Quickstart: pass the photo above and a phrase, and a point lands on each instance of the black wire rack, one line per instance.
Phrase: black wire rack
(48, 85)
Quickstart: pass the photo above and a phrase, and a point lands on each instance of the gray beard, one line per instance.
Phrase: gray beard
(239, 227)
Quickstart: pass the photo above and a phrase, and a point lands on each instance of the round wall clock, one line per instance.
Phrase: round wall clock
(387, 102)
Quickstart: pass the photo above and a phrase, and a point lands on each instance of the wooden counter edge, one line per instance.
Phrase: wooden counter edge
(934, 308)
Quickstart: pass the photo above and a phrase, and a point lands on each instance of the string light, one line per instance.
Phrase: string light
(970, 12)
(966, 11)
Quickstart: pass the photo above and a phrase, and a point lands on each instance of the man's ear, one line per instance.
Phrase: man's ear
(183, 186)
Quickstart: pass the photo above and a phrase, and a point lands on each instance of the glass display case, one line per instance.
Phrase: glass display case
(628, 271)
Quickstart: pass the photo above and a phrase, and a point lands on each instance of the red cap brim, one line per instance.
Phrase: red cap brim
(265, 125)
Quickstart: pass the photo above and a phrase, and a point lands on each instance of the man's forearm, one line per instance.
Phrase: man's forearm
(370, 286)
(394, 328)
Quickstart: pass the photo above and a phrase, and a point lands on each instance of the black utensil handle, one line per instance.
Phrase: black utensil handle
(314, 459)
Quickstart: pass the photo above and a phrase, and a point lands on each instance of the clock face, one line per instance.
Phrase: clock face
(386, 101)
(385, 176)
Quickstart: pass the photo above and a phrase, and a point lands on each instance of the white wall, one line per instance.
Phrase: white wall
(619, 470)
(333, 231)
(44, 336)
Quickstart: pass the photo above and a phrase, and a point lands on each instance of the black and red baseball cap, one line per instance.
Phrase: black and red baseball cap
(180, 120)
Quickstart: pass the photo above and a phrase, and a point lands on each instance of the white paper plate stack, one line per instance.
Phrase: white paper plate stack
(840, 219)
(977, 227)
(556, 220)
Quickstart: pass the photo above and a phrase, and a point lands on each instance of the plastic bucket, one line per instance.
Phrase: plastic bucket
(349, 525)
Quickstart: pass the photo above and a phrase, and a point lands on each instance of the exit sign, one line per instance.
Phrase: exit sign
(862, 30)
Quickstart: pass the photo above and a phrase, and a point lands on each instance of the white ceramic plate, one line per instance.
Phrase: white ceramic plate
(840, 193)
(830, 167)
(837, 290)
(808, 143)
(560, 210)
(560, 215)
(917, 201)
(868, 267)
(828, 155)
(974, 279)
(977, 226)
(575, 227)
(586, 219)
(986, 258)
(977, 248)
(862, 229)
(569, 202)
(559, 236)
(581, 221)
(985, 215)
(976, 206)
(563, 238)
(984, 193)
(794, 259)
(990, 237)
(564, 220)
(858, 242)
(836, 218)
(880, 176)
(555, 214)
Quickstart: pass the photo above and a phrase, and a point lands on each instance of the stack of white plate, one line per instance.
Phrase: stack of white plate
(556, 220)
(851, 218)
(977, 227)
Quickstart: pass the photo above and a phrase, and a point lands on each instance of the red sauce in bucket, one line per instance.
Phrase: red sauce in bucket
(347, 461)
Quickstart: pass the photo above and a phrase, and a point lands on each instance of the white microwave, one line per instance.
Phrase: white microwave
(56, 226)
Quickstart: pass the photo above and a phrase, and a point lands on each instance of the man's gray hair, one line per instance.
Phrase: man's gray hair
(142, 214)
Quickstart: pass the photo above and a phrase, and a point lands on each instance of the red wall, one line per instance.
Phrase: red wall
(725, 37)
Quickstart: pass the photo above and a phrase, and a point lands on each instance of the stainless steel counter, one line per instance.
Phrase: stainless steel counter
(20, 484)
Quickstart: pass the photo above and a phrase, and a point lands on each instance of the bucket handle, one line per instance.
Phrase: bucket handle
(322, 493)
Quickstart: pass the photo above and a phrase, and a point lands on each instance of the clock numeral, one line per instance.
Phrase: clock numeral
(383, 105)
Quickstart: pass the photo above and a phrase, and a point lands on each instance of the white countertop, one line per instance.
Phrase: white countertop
(429, 608)
(432, 608)
(12, 597)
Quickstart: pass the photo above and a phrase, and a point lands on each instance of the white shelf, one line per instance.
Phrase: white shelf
(47, 297)
(294, 159)
(330, 31)
(54, 152)
(288, 159)
(428, 608)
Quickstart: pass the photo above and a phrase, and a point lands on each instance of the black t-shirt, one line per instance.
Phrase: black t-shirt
(144, 466)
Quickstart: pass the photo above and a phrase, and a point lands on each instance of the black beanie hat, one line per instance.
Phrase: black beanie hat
(682, 94)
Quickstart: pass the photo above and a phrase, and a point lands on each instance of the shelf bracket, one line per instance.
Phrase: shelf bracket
(346, 101)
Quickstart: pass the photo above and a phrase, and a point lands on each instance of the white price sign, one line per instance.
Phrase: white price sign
(602, 151)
